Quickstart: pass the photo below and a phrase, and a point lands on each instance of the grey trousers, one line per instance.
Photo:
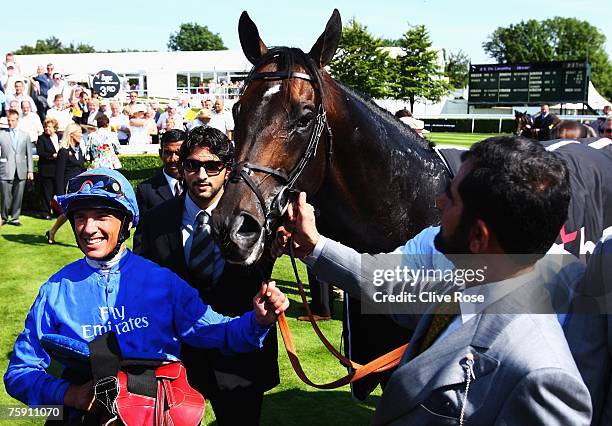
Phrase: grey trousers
(11, 192)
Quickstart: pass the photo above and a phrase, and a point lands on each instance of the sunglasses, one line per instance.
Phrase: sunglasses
(607, 130)
(212, 167)
(85, 184)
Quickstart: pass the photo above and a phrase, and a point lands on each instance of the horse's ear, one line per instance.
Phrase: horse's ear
(252, 45)
(324, 49)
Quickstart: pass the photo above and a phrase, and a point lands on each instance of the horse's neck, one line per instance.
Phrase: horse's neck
(381, 187)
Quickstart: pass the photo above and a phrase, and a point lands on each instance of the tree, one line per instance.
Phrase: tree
(54, 45)
(192, 36)
(418, 74)
(457, 69)
(361, 63)
(555, 39)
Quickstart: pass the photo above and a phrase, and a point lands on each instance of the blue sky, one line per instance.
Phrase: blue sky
(117, 24)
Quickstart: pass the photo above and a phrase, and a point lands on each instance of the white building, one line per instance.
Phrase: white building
(156, 74)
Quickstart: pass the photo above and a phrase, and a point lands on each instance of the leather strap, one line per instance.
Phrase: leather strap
(356, 371)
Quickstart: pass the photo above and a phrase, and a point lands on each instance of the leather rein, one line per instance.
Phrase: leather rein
(243, 171)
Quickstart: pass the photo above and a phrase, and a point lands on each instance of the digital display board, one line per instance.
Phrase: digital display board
(531, 84)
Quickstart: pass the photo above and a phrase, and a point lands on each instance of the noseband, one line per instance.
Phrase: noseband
(244, 170)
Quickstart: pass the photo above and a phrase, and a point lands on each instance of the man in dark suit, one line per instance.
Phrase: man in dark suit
(165, 184)
(176, 235)
(16, 165)
(543, 122)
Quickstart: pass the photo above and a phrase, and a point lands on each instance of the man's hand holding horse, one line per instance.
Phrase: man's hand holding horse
(301, 225)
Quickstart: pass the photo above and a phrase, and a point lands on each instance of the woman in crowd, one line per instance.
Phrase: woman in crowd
(104, 145)
(70, 163)
(47, 148)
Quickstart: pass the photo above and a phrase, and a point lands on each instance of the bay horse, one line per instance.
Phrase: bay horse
(372, 178)
(562, 129)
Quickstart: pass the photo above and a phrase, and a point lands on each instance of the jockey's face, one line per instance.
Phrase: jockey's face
(97, 231)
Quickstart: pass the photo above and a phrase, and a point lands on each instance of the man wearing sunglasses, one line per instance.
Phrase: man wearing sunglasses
(151, 311)
(176, 234)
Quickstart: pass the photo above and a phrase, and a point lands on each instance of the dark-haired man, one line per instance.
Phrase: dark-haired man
(176, 234)
(496, 359)
(165, 184)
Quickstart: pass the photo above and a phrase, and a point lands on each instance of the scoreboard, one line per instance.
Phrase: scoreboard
(535, 83)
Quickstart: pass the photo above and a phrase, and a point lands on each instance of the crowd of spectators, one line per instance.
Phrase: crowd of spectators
(58, 115)
(137, 122)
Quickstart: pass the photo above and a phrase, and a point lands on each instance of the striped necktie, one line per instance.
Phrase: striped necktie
(178, 190)
(202, 253)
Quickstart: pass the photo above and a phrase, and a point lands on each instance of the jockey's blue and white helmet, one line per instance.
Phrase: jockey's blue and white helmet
(100, 188)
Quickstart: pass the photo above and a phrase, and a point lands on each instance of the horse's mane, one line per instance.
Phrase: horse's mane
(385, 115)
(287, 57)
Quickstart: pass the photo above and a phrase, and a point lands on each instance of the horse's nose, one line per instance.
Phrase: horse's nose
(245, 231)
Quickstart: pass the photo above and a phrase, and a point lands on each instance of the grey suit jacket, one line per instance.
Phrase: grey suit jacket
(524, 371)
(12, 160)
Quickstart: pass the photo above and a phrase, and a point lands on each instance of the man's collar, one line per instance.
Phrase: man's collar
(193, 209)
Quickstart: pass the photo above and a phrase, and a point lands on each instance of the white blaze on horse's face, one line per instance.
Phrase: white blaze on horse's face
(272, 90)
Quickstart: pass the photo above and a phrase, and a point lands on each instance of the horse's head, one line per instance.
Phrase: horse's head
(282, 138)
(524, 123)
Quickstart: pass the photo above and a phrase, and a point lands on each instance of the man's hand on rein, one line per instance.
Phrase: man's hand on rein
(301, 225)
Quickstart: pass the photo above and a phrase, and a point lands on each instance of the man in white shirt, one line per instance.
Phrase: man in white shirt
(60, 113)
(119, 123)
(20, 96)
(30, 122)
(171, 112)
(222, 119)
(59, 88)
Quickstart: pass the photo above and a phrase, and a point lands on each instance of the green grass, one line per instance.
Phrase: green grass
(461, 139)
(27, 261)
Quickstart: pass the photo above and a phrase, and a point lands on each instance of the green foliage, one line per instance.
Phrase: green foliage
(555, 39)
(457, 69)
(192, 36)
(137, 168)
(361, 63)
(390, 42)
(54, 45)
(416, 69)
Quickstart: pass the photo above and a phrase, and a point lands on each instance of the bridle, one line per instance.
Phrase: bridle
(243, 171)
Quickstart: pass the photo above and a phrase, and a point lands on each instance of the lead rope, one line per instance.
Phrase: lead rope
(357, 372)
(469, 372)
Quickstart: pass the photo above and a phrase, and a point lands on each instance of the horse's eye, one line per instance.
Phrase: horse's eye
(305, 120)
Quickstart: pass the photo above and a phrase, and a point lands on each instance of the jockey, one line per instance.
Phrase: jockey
(149, 308)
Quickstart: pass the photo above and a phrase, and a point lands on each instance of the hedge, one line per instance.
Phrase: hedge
(135, 168)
